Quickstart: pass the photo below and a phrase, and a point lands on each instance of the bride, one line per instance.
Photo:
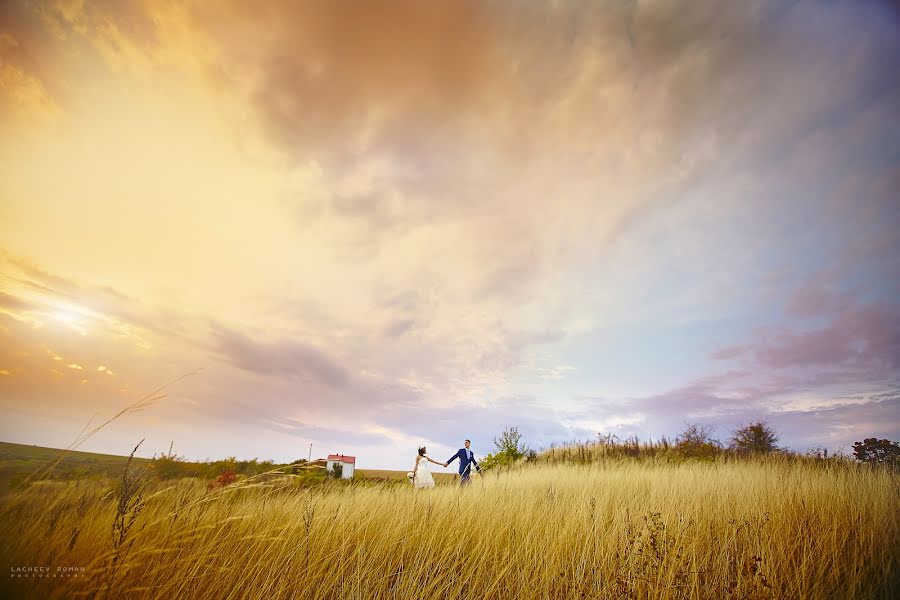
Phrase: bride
(421, 473)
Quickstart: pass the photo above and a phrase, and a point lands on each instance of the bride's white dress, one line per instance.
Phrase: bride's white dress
(423, 474)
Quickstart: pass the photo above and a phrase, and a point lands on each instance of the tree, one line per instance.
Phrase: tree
(877, 452)
(510, 448)
(510, 444)
(757, 437)
(337, 470)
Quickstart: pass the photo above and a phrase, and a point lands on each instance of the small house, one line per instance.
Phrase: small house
(348, 464)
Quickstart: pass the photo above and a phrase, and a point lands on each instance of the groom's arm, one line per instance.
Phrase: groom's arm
(454, 457)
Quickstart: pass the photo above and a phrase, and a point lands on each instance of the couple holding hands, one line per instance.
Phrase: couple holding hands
(421, 474)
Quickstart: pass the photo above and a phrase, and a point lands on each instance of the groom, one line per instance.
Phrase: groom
(466, 460)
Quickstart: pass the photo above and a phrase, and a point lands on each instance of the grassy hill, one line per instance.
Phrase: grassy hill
(18, 461)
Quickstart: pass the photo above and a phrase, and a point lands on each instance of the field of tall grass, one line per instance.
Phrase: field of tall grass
(617, 528)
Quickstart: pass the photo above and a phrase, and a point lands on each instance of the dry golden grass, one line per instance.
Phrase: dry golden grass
(449, 477)
(626, 529)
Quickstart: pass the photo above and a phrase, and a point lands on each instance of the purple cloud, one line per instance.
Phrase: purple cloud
(286, 357)
(864, 336)
(728, 352)
(812, 300)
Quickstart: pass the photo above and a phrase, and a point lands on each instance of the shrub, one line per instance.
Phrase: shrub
(337, 470)
(214, 468)
(227, 477)
(489, 462)
(696, 441)
(170, 467)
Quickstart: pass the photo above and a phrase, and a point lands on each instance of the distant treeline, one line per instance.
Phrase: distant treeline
(172, 467)
(754, 440)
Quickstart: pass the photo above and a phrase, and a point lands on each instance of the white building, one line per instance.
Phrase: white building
(348, 464)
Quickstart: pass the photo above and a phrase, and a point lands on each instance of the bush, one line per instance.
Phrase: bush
(170, 467)
(754, 438)
(227, 477)
(696, 442)
(490, 461)
(215, 468)
(337, 470)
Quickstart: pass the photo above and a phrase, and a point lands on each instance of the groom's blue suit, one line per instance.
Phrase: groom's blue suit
(466, 460)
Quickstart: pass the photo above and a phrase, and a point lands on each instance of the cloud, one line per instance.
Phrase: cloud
(41, 294)
(450, 424)
(399, 327)
(728, 352)
(839, 425)
(864, 337)
(285, 357)
(13, 303)
(811, 299)
(347, 78)
(326, 435)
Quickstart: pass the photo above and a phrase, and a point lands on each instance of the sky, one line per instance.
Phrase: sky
(370, 226)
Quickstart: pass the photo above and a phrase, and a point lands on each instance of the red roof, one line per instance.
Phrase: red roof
(343, 458)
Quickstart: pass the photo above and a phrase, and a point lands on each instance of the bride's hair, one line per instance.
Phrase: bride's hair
(422, 451)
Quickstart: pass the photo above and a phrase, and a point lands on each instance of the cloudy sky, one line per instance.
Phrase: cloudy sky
(373, 225)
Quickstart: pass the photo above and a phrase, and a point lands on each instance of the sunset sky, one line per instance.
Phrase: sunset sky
(377, 225)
